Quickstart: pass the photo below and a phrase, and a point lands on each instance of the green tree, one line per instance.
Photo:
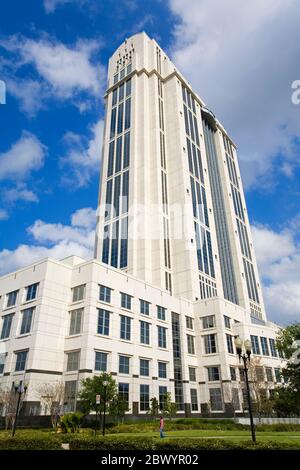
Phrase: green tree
(169, 407)
(154, 408)
(93, 386)
(118, 408)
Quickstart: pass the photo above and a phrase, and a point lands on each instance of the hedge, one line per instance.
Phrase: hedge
(17, 443)
(175, 444)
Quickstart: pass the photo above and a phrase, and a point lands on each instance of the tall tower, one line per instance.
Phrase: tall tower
(171, 204)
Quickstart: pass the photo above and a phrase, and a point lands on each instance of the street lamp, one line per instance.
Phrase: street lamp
(244, 354)
(20, 389)
(105, 383)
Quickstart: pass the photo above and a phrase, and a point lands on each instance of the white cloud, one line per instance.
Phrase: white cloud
(13, 195)
(29, 93)
(278, 255)
(3, 214)
(25, 156)
(242, 58)
(51, 5)
(83, 156)
(53, 240)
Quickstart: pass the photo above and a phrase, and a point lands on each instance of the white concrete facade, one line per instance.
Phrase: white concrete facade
(179, 238)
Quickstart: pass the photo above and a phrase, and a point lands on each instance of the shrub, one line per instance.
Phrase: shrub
(21, 443)
(71, 422)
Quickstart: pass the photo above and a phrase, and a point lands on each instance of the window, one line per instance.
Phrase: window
(277, 375)
(128, 86)
(242, 374)
(11, 298)
(75, 321)
(123, 364)
(6, 326)
(126, 301)
(210, 344)
(264, 346)
(78, 293)
(269, 374)
(124, 392)
(213, 374)
(144, 307)
(272, 347)
(192, 374)
(21, 358)
(229, 341)
(26, 321)
(125, 327)
(144, 397)
(189, 323)
(194, 400)
(216, 401)
(208, 322)
(145, 332)
(255, 344)
(162, 370)
(232, 373)
(162, 396)
(101, 361)
(162, 337)
(70, 395)
(236, 399)
(105, 294)
(227, 322)
(161, 312)
(73, 361)
(103, 322)
(144, 367)
(31, 292)
(259, 373)
(2, 362)
(191, 344)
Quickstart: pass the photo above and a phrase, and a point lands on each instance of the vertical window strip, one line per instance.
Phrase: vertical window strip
(106, 244)
(118, 162)
(108, 201)
(115, 244)
(117, 196)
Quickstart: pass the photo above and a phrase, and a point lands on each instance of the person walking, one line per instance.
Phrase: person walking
(161, 427)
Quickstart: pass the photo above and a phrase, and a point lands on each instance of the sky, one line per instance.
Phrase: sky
(242, 58)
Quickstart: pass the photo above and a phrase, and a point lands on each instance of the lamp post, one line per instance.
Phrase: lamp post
(19, 389)
(245, 356)
(105, 383)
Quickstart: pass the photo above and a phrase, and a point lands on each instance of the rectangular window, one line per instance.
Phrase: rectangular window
(6, 326)
(114, 97)
(116, 78)
(242, 374)
(145, 332)
(124, 241)
(145, 367)
(101, 361)
(70, 395)
(194, 400)
(21, 359)
(120, 118)
(259, 373)
(208, 322)
(162, 337)
(264, 346)
(277, 373)
(124, 392)
(227, 322)
(122, 73)
(255, 344)
(126, 151)
(118, 162)
(75, 321)
(127, 113)
(128, 87)
(26, 321)
(189, 323)
(229, 341)
(162, 370)
(144, 307)
(115, 233)
(111, 153)
(126, 301)
(216, 401)
(210, 346)
(121, 92)
(192, 374)
(124, 364)
(190, 344)
(103, 322)
(144, 397)
(269, 374)
(125, 327)
(236, 399)
(232, 373)
(213, 374)
(2, 362)
(113, 122)
(125, 193)
(105, 294)
(273, 347)
(31, 292)
(73, 361)
(78, 293)
(161, 312)
(11, 298)
(162, 397)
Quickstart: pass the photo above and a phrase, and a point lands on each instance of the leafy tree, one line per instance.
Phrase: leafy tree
(118, 408)
(169, 407)
(93, 386)
(52, 397)
(286, 338)
(154, 408)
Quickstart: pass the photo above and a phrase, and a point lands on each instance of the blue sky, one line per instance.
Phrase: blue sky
(53, 58)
